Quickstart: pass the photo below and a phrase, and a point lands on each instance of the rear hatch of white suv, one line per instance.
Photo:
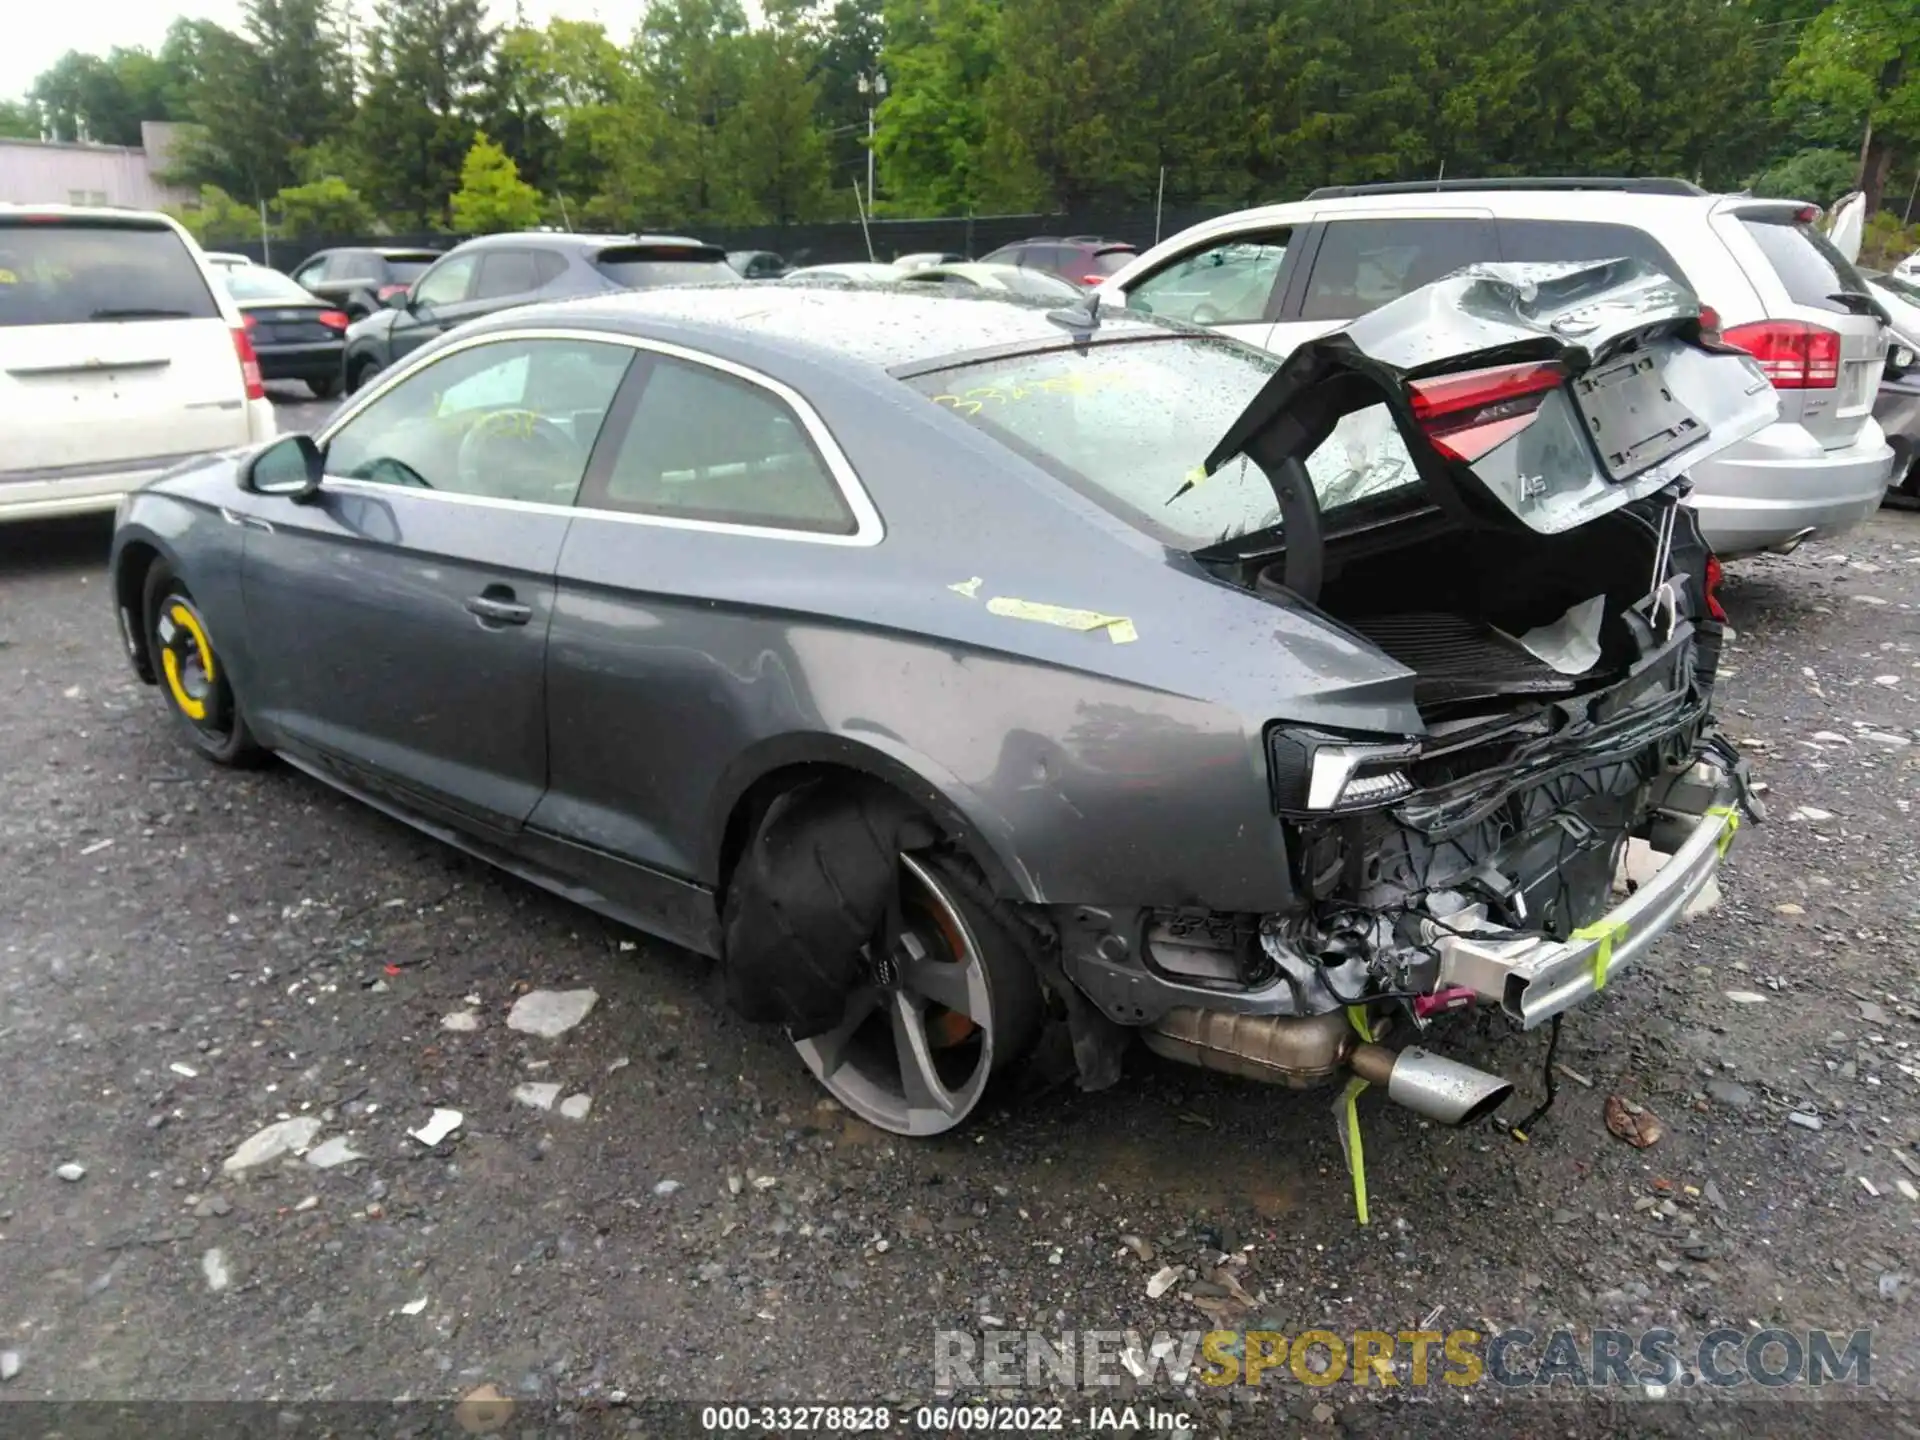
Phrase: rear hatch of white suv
(116, 359)
(1821, 342)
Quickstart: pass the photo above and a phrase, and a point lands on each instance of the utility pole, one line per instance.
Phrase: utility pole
(874, 87)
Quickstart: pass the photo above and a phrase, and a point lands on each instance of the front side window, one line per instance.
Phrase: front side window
(1228, 283)
(508, 420)
(1364, 264)
(447, 283)
(705, 445)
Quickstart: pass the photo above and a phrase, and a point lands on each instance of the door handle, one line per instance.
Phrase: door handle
(496, 606)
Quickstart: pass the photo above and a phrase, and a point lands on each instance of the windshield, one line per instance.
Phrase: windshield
(256, 282)
(74, 273)
(1128, 423)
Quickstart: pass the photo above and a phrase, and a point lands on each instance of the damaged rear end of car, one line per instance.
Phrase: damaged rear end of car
(1484, 482)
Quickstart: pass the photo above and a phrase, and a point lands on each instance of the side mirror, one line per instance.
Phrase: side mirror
(400, 300)
(291, 468)
(1900, 362)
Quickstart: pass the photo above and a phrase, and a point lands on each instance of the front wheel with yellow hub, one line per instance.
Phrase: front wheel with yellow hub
(192, 675)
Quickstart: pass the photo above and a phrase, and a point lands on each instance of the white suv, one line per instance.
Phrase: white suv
(1282, 274)
(119, 358)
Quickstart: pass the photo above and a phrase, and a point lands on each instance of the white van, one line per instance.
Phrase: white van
(119, 357)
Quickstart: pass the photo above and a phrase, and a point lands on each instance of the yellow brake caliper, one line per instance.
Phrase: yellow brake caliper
(179, 615)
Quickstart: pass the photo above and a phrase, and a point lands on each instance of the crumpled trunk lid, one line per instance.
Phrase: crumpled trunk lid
(1532, 396)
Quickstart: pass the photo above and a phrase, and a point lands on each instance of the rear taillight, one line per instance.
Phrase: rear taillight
(1709, 323)
(387, 292)
(1792, 354)
(1466, 415)
(248, 321)
(334, 319)
(249, 362)
(1092, 279)
(1714, 577)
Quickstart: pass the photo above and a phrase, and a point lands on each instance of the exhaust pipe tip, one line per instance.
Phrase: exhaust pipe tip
(1791, 543)
(1442, 1090)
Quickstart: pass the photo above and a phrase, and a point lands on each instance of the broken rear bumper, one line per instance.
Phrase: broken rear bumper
(1533, 978)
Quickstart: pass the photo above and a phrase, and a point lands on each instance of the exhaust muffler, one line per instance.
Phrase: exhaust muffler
(1443, 1090)
(1302, 1052)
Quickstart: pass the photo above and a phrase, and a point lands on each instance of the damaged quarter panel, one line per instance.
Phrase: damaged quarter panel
(1119, 763)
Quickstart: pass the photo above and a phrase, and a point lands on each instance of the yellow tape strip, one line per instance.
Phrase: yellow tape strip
(1357, 1017)
(1346, 1112)
(1118, 627)
(1730, 814)
(1606, 932)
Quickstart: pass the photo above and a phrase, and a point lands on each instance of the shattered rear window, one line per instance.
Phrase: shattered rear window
(1128, 424)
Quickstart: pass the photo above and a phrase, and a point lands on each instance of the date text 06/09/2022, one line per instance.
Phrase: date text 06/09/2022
(941, 1419)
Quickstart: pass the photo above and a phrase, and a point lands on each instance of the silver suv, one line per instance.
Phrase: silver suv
(1282, 274)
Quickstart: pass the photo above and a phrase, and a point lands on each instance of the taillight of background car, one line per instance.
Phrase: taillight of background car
(387, 292)
(249, 362)
(1466, 415)
(1793, 354)
(334, 319)
(1714, 576)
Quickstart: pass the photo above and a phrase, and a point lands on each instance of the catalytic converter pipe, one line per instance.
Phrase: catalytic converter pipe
(1442, 1090)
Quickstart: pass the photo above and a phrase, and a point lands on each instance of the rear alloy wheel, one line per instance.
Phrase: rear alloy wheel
(192, 676)
(950, 1007)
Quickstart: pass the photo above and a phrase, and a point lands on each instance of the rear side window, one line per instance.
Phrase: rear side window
(1549, 240)
(1363, 264)
(1811, 270)
(1109, 262)
(515, 272)
(704, 445)
(405, 272)
(76, 274)
(640, 266)
(345, 265)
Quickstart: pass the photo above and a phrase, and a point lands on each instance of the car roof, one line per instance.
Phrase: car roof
(864, 327)
(570, 240)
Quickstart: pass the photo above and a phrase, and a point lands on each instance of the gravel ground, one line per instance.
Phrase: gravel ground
(188, 955)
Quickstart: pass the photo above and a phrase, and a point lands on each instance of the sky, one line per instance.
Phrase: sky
(37, 34)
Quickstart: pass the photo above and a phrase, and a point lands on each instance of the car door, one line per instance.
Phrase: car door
(397, 623)
(1360, 262)
(1230, 283)
(440, 300)
(668, 654)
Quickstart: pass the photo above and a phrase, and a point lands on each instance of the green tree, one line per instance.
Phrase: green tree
(1821, 176)
(492, 196)
(328, 206)
(19, 120)
(774, 153)
(692, 60)
(86, 97)
(1857, 69)
(932, 128)
(426, 72)
(218, 217)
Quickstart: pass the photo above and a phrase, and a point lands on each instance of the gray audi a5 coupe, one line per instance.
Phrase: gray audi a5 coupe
(953, 668)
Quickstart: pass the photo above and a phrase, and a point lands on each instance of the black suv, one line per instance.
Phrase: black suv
(496, 272)
(1083, 259)
(361, 280)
